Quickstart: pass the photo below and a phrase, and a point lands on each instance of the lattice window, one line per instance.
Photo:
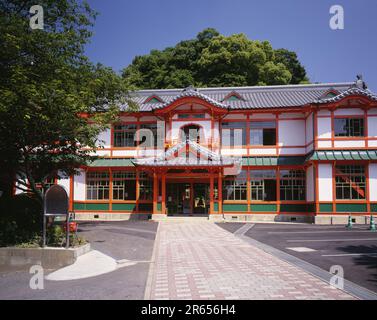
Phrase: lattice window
(124, 135)
(235, 188)
(145, 187)
(97, 185)
(263, 185)
(233, 134)
(124, 185)
(292, 185)
(350, 182)
(263, 133)
(349, 127)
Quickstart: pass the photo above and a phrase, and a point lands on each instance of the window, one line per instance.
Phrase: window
(191, 115)
(48, 182)
(146, 187)
(350, 182)
(292, 185)
(124, 185)
(263, 185)
(235, 188)
(148, 135)
(349, 127)
(233, 134)
(263, 133)
(97, 185)
(124, 135)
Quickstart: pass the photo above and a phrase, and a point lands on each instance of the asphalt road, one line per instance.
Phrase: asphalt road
(324, 246)
(131, 240)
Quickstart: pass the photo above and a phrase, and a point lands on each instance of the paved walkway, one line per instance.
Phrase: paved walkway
(199, 260)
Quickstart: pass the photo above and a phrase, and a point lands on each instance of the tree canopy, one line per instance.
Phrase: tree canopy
(46, 85)
(212, 60)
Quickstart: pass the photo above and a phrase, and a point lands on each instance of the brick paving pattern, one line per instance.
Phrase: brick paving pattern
(199, 260)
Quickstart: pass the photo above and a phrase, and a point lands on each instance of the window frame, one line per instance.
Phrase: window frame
(347, 185)
(292, 186)
(349, 128)
(262, 130)
(94, 188)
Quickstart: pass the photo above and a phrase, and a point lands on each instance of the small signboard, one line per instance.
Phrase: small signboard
(56, 205)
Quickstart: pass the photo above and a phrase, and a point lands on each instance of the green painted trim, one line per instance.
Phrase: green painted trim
(294, 207)
(263, 207)
(91, 206)
(124, 207)
(159, 206)
(216, 206)
(325, 207)
(227, 207)
(373, 207)
(351, 207)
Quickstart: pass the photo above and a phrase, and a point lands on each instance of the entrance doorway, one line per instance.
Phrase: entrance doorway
(187, 198)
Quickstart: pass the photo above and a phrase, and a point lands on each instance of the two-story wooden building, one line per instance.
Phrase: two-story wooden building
(277, 153)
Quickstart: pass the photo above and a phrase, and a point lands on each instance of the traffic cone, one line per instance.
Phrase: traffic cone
(372, 225)
(349, 224)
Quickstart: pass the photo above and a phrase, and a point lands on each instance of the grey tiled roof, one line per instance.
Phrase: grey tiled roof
(351, 91)
(168, 159)
(258, 97)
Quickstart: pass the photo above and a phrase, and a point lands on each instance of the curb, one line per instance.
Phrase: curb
(148, 285)
(351, 288)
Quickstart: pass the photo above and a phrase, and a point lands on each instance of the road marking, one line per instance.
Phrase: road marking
(245, 228)
(301, 249)
(349, 254)
(332, 240)
(292, 232)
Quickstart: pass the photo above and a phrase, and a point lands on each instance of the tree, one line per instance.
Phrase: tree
(47, 85)
(290, 60)
(211, 60)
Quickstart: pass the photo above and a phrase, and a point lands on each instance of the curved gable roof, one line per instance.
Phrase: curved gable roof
(257, 97)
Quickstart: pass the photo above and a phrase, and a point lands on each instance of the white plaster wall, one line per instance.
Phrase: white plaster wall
(373, 181)
(348, 112)
(233, 152)
(269, 151)
(291, 115)
(310, 147)
(291, 133)
(325, 182)
(79, 186)
(349, 144)
(124, 153)
(149, 153)
(105, 138)
(262, 116)
(324, 127)
(324, 113)
(309, 128)
(310, 184)
(64, 181)
(101, 153)
(18, 191)
(292, 151)
(235, 116)
(372, 126)
(372, 111)
(324, 144)
(372, 143)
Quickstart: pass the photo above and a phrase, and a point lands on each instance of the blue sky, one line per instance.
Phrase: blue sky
(125, 29)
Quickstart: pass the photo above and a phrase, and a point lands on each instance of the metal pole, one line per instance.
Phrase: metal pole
(44, 222)
(67, 240)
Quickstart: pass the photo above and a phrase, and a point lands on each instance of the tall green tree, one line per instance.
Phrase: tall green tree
(212, 59)
(47, 85)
